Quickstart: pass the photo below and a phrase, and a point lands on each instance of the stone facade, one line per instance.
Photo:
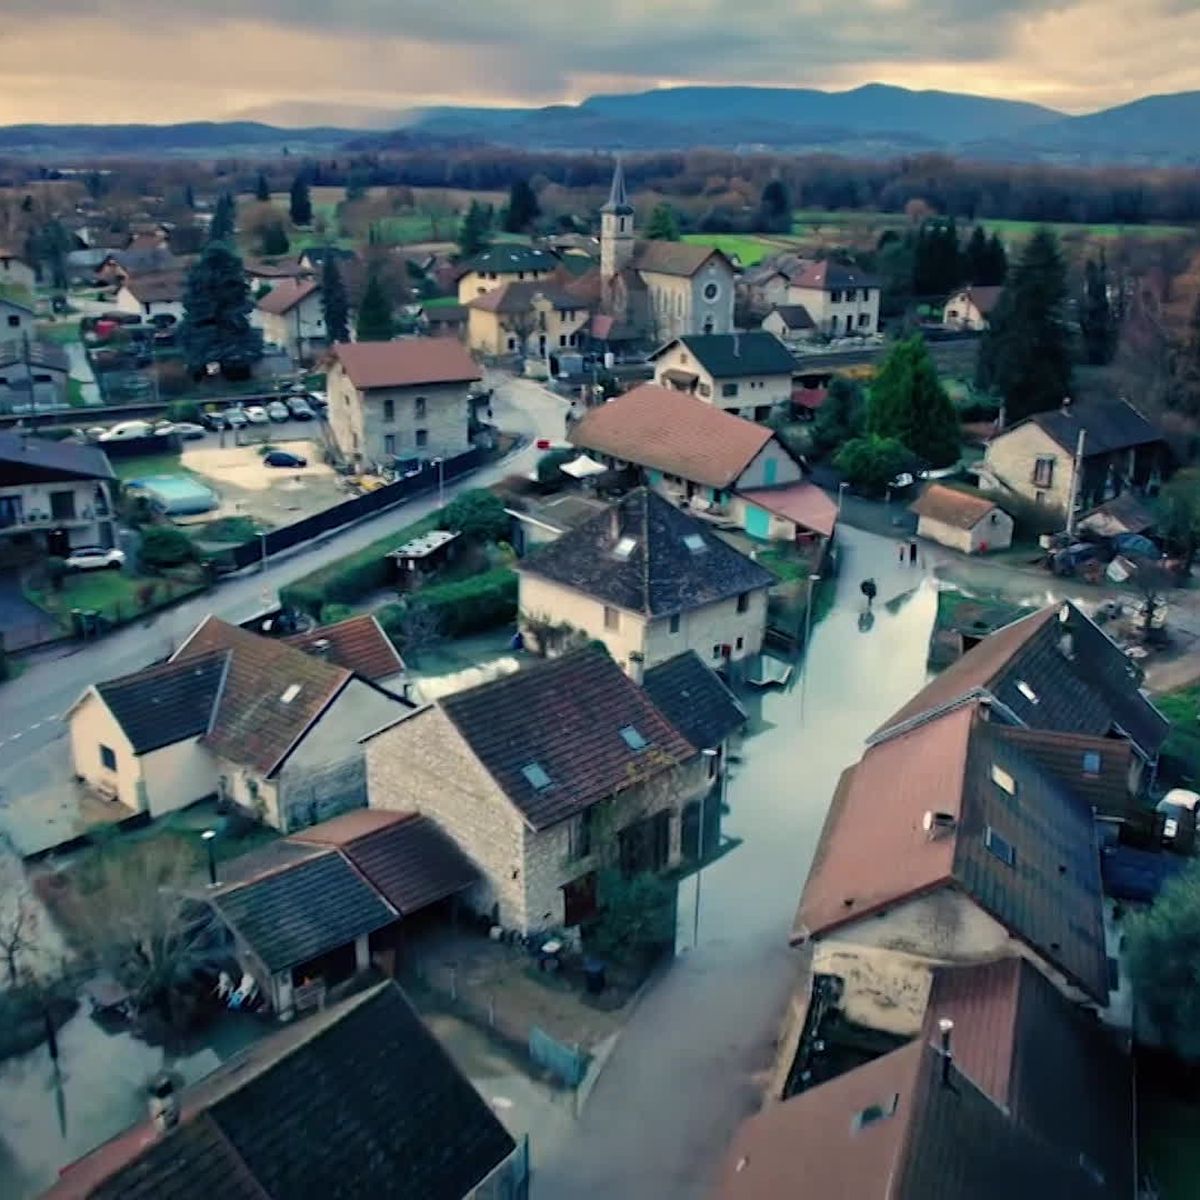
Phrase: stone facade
(839, 311)
(299, 332)
(700, 303)
(543, 329)
(992, 532)
(479, 283)
(1025, 461)
(753, 397)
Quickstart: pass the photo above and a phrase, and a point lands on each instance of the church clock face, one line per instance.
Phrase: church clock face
(711, 291)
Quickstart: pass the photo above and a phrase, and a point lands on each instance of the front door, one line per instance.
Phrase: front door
(758, 522)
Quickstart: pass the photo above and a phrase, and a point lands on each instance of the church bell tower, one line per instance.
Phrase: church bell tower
(616, 228)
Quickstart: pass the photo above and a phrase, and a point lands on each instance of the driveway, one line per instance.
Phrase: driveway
(22, 624)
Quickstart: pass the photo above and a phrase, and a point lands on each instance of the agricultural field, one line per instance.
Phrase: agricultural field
(749, 248)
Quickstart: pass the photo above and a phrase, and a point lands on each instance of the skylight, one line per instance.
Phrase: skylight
(633, 739)
(1027, 691)
(694, 542)
(292, 692)
(625, 547)
(1001, 847)
(1091, 762)
(536, 775)
(1003, 780)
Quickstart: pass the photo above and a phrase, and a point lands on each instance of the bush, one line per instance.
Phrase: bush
(478, 515)
(871, 463)
(467, 606)
(183, 410)
(548, 466)
(166, 546)
(56, 570)
(332, 613)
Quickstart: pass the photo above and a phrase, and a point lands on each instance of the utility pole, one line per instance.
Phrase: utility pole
(713, 756)
(813, 580)
(1076, 467)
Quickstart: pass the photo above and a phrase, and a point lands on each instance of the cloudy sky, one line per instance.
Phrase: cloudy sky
(311, 60)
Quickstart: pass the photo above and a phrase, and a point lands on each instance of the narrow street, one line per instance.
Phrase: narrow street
(683, 1074)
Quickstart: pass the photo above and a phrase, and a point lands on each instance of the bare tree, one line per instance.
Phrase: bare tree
(420, 630)
(18, 920)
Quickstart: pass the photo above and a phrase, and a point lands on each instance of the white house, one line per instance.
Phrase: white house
(15, 272)
(962, 520)
(971, 307)
(291, 316)
(841, 300)
(155, 294)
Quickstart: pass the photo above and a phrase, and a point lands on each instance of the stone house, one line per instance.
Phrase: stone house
(649, 581)
(1036, 458)
(154, 294)
(542, 778)
(962, 520)
(251, 720)
(505, 262)
(688, 289)
(534, 319)
(971, 307)
(748, 374)
(33, 376)
(16, 320)
(789, 322)
(841, 300)
(16, 273)
(312, 260)
(408, 399)
(292, 317)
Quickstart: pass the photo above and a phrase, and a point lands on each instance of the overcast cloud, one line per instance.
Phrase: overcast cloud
(169, 60)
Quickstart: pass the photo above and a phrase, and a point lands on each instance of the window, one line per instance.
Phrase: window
(389, 443)
(389, 410)
(674, 626)
(62, 506)
(632, 738)
(835, 297)
(512, 343)
(422, 437)
(1091, 762)
(864, 318)
(580, 834)
(535, 776)
(612, 618)
(695, 543)
(624, 548)
(729, 389)
(1003, 849)
(716, 650)
(1003, 780)
(1027, 691)
(711, 292)
(419, 408)
(293, 690)
(1043, 472)
(108, 758)
(562, 339)
(743, 602)
(704, 389)
(14, 322)
(740, 643)
(874, 1113)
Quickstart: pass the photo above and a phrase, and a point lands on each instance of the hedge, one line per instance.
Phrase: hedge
(465, 606)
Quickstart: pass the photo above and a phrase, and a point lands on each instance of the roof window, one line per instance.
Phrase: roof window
(633, 739)
(1000, 846)
(874, 1113)
(293, 690)
(695, 543)
(624, 548)
(536, 775)
(1027, 691)
(1003, 780)
(1091, 762)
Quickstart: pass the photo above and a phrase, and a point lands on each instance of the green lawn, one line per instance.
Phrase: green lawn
(113, 594)
(59, 332)
(1181, 751)
(145, 465)
(440, 302)
(749, 248)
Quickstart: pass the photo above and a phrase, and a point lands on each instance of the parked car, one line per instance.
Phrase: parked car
(1068, 561)
(188, 430)
(319, 402)
(124, 431)
(284, 458)
(257, 415)
(95, 558)
(278, 411)
(1178, 807)
(235, 417)
(298, 406)
(213, 419)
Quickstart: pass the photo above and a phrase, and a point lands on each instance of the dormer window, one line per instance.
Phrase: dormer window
(290, 694)
(695, 543)
(1091, 762)
(624, 548)
(632, 738)
(535, 776)
(874, 1113)
(1027, 691)
(1003, 780)
(1000, 847)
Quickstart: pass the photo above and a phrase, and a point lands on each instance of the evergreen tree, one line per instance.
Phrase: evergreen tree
(189, 196)
(775, 208)
(356, 185)
(663, 225)
(216, 319)
(224, 220)
(300, 207)
(273, 239)
(375, 312)
(50, 247)
(842, 417)
(976, 258)
(996, 268)
(334, 303)
(523, 208)
(909, 403)
(473, 232)
(262, 189)
(1025, 356)
(937, 262)
(1096, 322)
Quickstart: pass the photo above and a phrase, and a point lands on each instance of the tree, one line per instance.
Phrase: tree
(166, 546)
(842, 417)
(908, 403)
(937, 263)
(870, 463)
(375, 312)
(637, 915)
(549, 474)
(216, 321)
(356, 185)
(976, 257)
(300, 204)
(224, 220)
(1025, 356)
(18, 918)
(335, 305)
(1096, 322)
(189, 196)
(995, 271)
(523, 208)
(418, 632)
(774, 208)
(1179, 513)
(262, 189)
(478, 515)
(51, 245)
(663, 225)
(473, 232)
(273, 239)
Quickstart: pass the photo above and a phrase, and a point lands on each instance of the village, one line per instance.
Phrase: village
(603, 716)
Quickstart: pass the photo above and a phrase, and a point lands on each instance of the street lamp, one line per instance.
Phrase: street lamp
(440, 464)
(841, 492)
(207, 838)
(813, 580)
(713, 757)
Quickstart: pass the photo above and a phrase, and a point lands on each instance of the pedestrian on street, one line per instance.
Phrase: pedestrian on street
(912, 553)
(868, 589)
(902, 549)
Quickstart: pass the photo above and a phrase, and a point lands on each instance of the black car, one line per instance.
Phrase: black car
(284, 458)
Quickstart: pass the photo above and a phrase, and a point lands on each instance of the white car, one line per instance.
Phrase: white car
(257, 415)
(188, 430)
(235, 418)
(125, 431)
(95, 558)
(278, 411)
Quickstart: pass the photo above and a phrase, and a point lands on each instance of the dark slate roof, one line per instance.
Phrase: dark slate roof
(317, 255)
(566, 716)
(1109, 424)
(24, 458)
(510, 257)
(659, 575)
(691, 696)
(167, 703)
(732, 355)
(360, 1100)
(795, 316)
(303, 910)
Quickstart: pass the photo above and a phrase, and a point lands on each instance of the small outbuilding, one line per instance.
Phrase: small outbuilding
(962, 520)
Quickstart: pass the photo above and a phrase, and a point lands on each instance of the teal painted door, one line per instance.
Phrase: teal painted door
(758, 522)
(769, 472)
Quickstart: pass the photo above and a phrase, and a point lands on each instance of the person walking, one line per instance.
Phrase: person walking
(868, 589)
(912, 553)
(903, 550)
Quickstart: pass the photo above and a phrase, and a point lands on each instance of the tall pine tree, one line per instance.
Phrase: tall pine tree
(473, 232)
(300, 206)
(273, 239)
(262, 189)
(663, 225)
(1096, 322)
(909, 403)
(975, 265)
(995, 271)
(375, 312)
(523, 208)
(224, 219)
(775, 208)
(334, 303)
(216, 315)
(1025, 354)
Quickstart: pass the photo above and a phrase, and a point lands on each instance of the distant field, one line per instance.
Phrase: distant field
(750, 248)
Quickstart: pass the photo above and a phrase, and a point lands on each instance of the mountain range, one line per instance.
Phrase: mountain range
(872, 120)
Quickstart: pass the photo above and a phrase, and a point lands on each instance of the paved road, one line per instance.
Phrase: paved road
(684, 1072)
(30, 708)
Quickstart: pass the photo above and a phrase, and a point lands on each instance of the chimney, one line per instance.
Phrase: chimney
(945, 1029)
(164, 1104)
(637, 665)
(1066, 406)
(614, 522)
(321, 648)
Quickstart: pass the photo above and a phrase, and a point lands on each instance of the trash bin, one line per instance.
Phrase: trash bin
(593, 976)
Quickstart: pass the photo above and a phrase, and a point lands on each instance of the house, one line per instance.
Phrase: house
(695, 453)
(444, 320)
(261, 271)
(1054, 670)
(16, 273)
(33, 376)
(536, 522)
(16, 320)
(505, 262)
(840, 299)
(255, 721)
(1119, 451)
(400, 400)
(292, 316)
(1005, 1090)
(534, 319)
(971, 307)
(542, 778)
(53, 496)
(358, 1100)
(978, 854)
(789, 322)
(312, 260)
(358, 644)
(749, 374)
(649, 581)
(962, 520)
(119, 265)
(154, 294)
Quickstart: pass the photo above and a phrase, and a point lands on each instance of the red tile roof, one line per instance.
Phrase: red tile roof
(357, 643)
(407, 363)
(827, 276)
(952, 506)
(803, 503)
(286, 294)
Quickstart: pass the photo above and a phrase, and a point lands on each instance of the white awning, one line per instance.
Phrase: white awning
(583, 467)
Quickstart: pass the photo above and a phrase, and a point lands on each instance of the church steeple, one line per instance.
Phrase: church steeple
(616, 227)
